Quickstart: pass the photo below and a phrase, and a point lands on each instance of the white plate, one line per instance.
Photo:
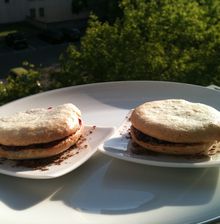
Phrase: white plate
(61, 165)
(120, 146)
(108, 190)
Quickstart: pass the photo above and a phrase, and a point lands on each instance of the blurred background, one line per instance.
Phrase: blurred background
(48, 44)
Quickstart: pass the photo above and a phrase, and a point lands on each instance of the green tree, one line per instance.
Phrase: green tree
(175, 40)
(20, 85)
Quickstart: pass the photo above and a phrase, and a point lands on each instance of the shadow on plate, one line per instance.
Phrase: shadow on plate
(19, 194)
(119, 187)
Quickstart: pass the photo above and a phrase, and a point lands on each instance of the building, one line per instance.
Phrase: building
(38, 12)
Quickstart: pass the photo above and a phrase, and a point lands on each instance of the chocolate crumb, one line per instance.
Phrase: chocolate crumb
(92, 129)
(43, 164)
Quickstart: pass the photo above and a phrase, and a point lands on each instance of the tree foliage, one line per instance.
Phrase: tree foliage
(171, 40)
(175, 40)
(17, 86)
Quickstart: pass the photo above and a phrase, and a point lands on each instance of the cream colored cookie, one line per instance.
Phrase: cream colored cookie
(41, 150)
(39, 125)
(178, 120)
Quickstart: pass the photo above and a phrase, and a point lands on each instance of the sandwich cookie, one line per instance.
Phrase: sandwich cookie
(176, 126)
(40, 133)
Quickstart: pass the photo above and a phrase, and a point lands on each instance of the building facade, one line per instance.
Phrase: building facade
(38, 11)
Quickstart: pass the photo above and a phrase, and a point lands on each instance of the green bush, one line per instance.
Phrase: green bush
(20, 85)
(173, 40)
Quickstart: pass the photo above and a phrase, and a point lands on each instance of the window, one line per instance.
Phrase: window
(41, 12)
(33, 13)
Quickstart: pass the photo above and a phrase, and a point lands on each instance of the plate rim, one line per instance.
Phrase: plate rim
(111, 83)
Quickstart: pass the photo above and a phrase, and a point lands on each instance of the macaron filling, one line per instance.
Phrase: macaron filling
(140, 136)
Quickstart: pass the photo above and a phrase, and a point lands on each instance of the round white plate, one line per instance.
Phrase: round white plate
(108, 190)
(120, 146)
